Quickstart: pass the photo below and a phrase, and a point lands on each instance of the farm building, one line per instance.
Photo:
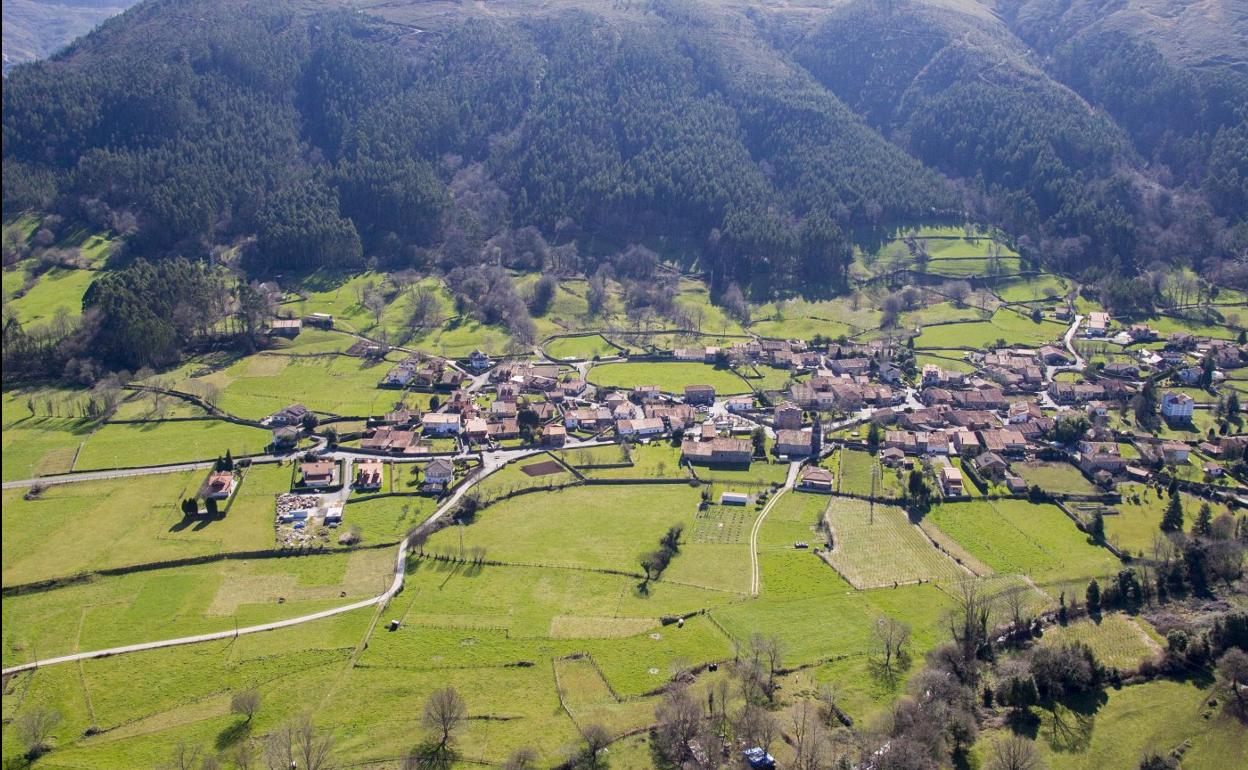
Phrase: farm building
(734, 498)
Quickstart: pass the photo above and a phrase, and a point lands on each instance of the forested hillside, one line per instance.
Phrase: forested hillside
(751, 143)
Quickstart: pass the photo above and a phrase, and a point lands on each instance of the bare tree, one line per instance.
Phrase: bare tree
(893, 636)
(596, 739)
(1014, 752)
(678, 718)
(523, 758)
(968, 625)
(243, 756)
(755, 726)
(809, 739)
(34, 729)
(299, 744)
(184, 757)
(445, 711)
(246, 703)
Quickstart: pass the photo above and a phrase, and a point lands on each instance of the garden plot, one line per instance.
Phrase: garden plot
(1118, 640)
(881, 547)
(723, 524)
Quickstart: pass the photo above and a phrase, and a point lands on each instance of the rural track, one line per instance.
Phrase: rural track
(755, 573)
(491, 462)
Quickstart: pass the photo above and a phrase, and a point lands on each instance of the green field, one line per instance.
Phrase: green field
(120, 445)
(1054, 477)
(161, 604)
(47, 441)
(1005, 324)
(1158, 716)
(1014, 536)
(259, 385)
(580, 348)
(671, 377)
(93, 525)
(1118, 640)
(855, 474)
(875, 546)
(1138, 518)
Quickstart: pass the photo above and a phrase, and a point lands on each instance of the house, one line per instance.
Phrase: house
(892, 457)
(675, 415)
(367, 474)
(554, 435)
(220, 485)
(788, 416)
(440, 423)
(319, 473)
(850, 366)
(285, 437)
(321, 320)
(699, 394)
(476, 429)
(507, 427)
(479, 361)
(646, 394)
(1191, 375)
(285, 327)
(1098, 324)
(1015, 483)
(1023, 411)
(440, 473)
(1175, 452)
(1121, 370)
(990, 465)
(388, 438)
(1100, 456)
(741, 403)
(647, 426)
(951, 481)
(816, 479)
(291, 415)
(966, 443)
(1177, 407)
(793, 443)
(1054, 356)
(718, 451)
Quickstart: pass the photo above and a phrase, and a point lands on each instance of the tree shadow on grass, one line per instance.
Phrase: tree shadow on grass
(232, 734)
(1068, 725)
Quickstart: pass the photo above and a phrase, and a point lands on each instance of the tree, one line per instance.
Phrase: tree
(678, 718)
(1093, 596)
(523, 758)
(809, 738)
(596, 738)
(1014, 752)
(444, 713)
(873, 437)
(245, 703)
(299, 744)
(1172, 519)
(893, 636)
(759, 438)
(1233, 668)
(210, 506)
(755, 726)
(1204, 521)
(34, 728)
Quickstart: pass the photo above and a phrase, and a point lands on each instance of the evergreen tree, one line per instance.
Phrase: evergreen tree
(1204, 520)
(1172, 519)
(1094, 598)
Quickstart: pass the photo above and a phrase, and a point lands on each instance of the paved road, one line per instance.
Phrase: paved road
(66, 478)
(756, 579)
(491, 461)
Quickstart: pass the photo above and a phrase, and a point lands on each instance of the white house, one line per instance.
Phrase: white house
(440, 423)
(1177, 406)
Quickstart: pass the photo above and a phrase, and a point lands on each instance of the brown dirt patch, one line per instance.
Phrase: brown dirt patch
(545, 468)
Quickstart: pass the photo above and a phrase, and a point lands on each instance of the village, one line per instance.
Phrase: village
(965, 433)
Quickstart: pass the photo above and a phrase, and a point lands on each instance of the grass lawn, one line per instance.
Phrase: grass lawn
(1005, 324)
(47, 441)
(658, 459)
(513, 478)
(58, 290)
(131, 444)
(881, 547)
(601, 528)
(130, 521)
(1037, 288)
(1156, 716)
(259, 385)
(670, 377)
(1014, 536)
(1118, 640)
(386, 519)
(855, 472)
(1139, 516)
(1054, 477)
(580, 348)
(160, 604)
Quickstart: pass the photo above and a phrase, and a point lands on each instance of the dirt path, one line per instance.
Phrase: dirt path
(756, 580)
